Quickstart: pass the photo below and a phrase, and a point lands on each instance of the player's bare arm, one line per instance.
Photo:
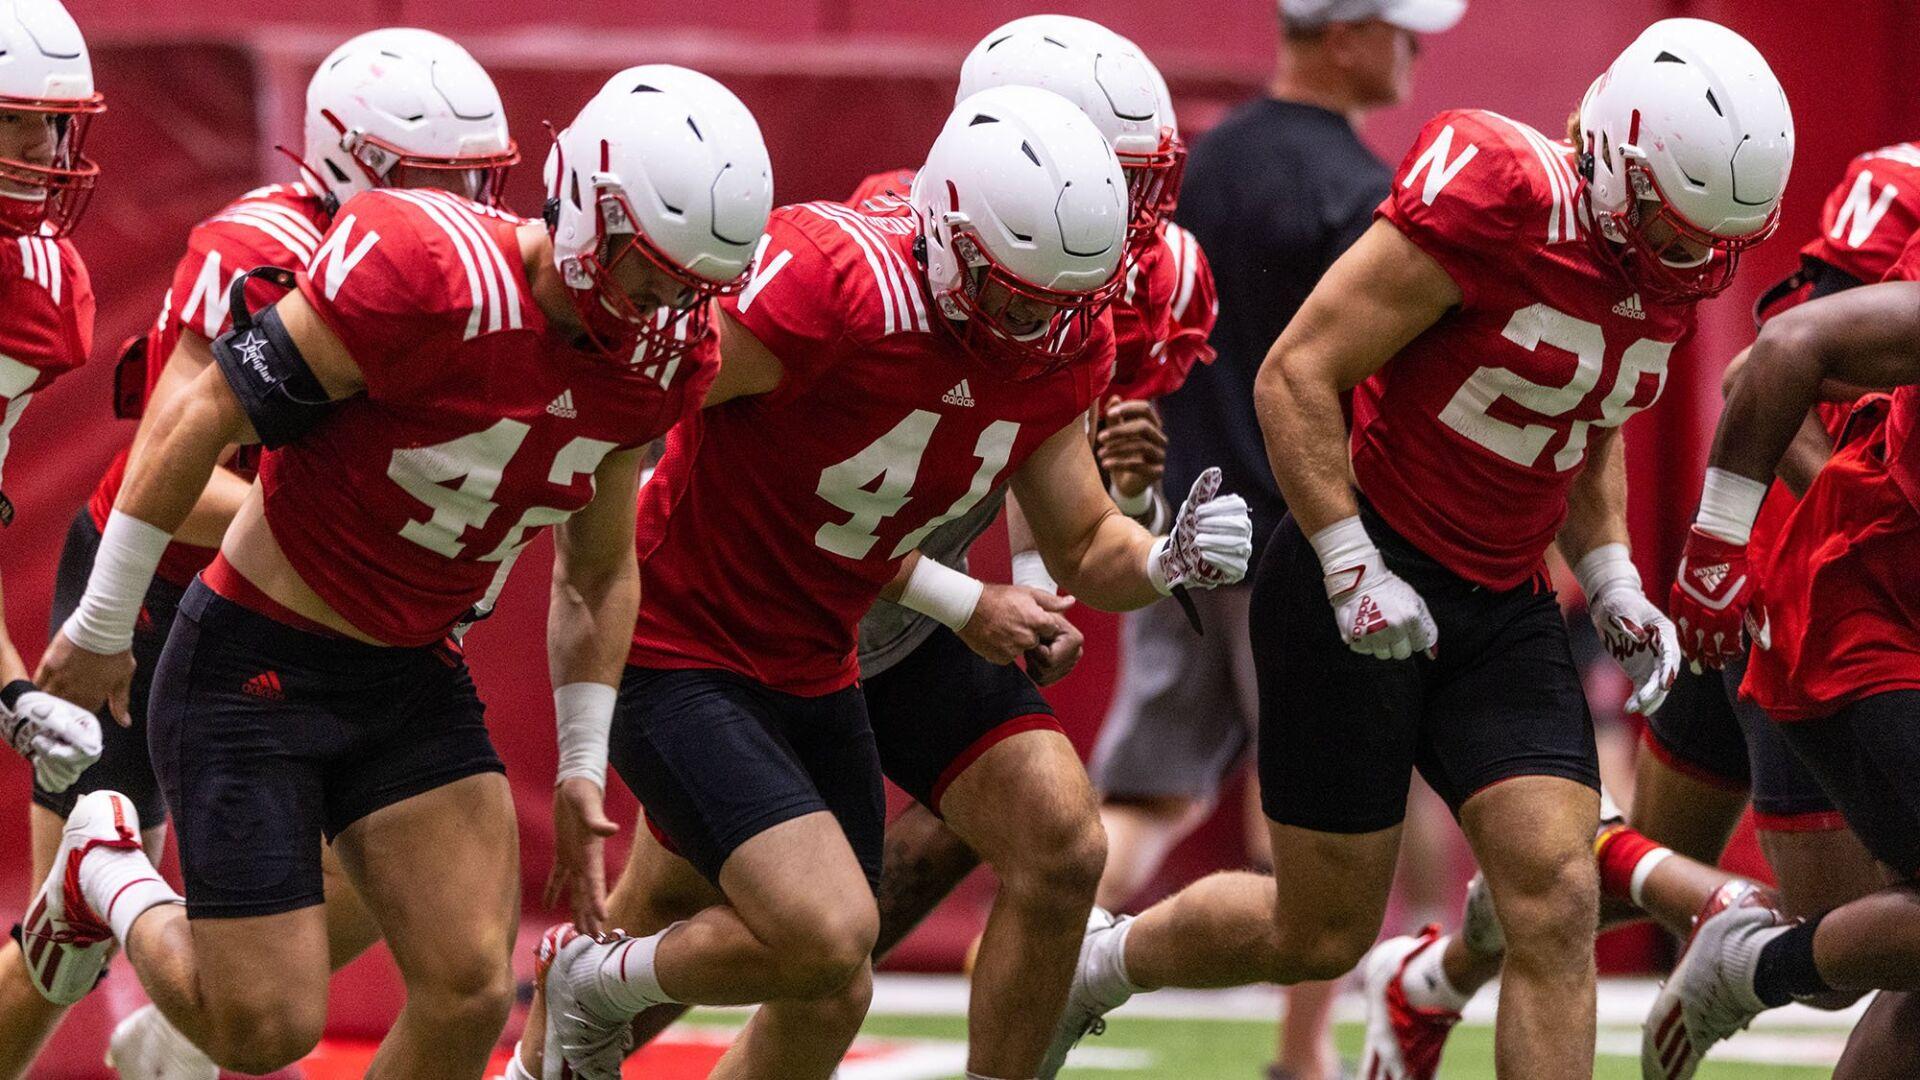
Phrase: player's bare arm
(1864, 337)
(225, 489)
(596, 595)
(1106, 558)
(164, 480)
(1380, 295)
(1638, 635)
(747, 367)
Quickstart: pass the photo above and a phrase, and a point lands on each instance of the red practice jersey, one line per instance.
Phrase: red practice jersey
(46, 325)
(478, 426)
(1869, 217)
(1838, 593)
(1468, 439)
(774, 521)
(279, 225)
(1163, 316)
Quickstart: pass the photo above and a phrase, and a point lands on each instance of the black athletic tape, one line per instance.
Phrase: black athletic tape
(6, 509)
(263, 366)
(10, 693)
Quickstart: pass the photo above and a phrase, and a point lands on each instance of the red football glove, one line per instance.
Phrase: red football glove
(1710, 596)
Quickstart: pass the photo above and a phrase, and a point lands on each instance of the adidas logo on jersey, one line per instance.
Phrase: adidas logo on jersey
(265, 685)
(562, 406)
(1712, 577)
(1630, 308)
(961, 395)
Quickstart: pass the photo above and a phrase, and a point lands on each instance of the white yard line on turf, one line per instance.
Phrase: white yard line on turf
(1623, 1003)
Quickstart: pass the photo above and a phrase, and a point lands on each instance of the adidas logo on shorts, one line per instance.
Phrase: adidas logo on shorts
(961, 395)
(265, 685)
(562, 406)
(1630, 308)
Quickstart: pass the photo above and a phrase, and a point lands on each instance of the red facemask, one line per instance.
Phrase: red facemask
(1640, 262)
(65, 181)
(1056, 340)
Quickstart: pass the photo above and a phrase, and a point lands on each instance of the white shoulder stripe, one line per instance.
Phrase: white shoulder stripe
(1189, 263)
(293, 221)
(55, 273)
(1562, 220)
(905, 277)
(888, 301)
(478, 292)
(462, 228)
(462, 213)
(274, 229)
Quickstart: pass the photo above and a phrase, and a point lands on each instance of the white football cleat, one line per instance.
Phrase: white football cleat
(145, 1046)
(1480, 924)
(580, 1044)
(1710, 994)
(1084, 1013)
(1403, 1041)
(65, 943)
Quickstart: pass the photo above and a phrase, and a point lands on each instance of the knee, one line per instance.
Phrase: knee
(1319, 954)
(257, 1041)
(1058, 866)
(474, 998)
(823, 954)
(1549, 905)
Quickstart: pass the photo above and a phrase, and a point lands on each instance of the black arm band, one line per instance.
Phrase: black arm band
(263, 366)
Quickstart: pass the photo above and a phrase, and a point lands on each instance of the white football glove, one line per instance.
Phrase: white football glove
(60, 739)
(1377, 612)
(1638, 635)
(1211, 541)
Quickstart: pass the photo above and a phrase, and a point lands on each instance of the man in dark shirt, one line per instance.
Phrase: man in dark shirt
(1274, 194)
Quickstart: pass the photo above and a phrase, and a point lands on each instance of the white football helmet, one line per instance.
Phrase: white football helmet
(1022, 192)
(401, 99)
(45, 71)
(667, 165)
(1689, 128)
(1099, 71)
(1163, 191)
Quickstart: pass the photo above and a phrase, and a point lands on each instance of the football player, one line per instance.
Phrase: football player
(886, 369)
(1835, 660)
(47, 101)
(965, 734)
(1708, 752)
(1515, 302)
(445, 381)
(363, 129)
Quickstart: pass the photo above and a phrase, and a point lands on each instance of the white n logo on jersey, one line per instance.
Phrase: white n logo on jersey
(1439, 170)
(339, 261)
(762, 273)
(210, 296)
(1861, 213)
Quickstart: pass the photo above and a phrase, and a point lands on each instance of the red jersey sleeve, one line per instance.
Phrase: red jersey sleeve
(1871, 214)
(47, 299)
(798, 298)
(390, 280)
(891, 182)
(1456, 196)
(1196, 304)
(219, 250)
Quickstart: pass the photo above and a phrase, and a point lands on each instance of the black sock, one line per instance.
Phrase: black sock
(1786, 969)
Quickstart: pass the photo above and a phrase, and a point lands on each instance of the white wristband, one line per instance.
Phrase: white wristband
(1343, 544)
(123, 567)
(941, 593)
(1607, 567)
(1030, 570)
(1728, 504)
(1134, 506)
(583, 719)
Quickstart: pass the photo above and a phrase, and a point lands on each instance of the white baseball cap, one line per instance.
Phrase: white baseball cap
(1418, 16)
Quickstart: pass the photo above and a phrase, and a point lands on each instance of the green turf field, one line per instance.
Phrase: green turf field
(1239, 1050)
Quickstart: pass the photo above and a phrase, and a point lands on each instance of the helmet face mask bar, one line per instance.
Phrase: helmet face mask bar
(64, 183)
(386, 164)
(1621, 240)
(988, 336)
(614, 321)
(1153, 186)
